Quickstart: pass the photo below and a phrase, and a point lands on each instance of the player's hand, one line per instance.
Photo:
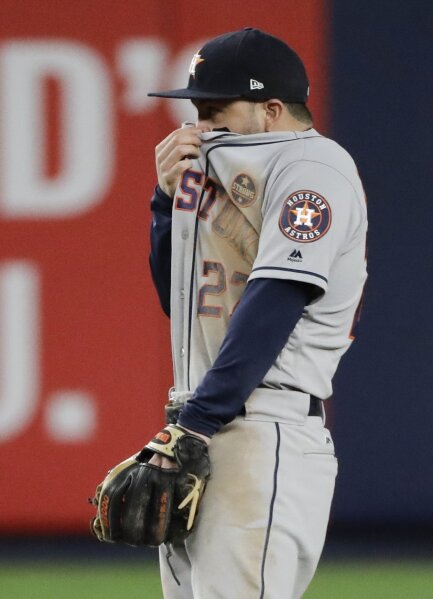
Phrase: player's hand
(142, 504)
(173, 156)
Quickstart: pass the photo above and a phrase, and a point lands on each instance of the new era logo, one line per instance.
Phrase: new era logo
(254, 84)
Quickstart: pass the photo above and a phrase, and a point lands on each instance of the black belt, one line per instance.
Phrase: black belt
(316, 407)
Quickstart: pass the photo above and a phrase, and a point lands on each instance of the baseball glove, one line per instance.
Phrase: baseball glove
(141, 504)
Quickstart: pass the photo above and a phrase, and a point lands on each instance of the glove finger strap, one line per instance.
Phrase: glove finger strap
(164, 442)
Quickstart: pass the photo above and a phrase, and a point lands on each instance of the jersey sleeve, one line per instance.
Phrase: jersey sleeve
(311, 213)
(160, 246)
(248, 351)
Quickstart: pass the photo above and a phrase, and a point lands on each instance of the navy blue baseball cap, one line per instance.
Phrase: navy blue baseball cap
(248, 64)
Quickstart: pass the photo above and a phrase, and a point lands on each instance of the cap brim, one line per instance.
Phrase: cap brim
(193, 94)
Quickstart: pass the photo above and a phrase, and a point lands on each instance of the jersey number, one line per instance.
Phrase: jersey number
(217, 288)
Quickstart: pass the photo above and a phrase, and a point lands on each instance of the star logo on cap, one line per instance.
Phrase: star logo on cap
(196, 59)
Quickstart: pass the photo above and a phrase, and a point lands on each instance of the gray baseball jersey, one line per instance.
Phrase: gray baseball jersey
(286, 205)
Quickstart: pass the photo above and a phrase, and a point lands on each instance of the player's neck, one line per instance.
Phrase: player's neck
(287, 122)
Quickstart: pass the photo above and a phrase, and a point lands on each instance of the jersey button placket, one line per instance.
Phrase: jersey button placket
(185, 236)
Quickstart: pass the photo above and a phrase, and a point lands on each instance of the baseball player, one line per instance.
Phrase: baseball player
(258, 256)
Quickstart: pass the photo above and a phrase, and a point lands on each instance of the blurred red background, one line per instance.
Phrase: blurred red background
(84, 347)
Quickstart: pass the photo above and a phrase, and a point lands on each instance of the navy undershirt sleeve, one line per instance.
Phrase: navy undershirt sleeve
(160, 246)
(258, 330)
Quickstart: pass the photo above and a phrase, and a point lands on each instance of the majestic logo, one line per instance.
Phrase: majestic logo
(196, 59)
(243, 190)
(305, 216)
(295, 256)
(254, 84)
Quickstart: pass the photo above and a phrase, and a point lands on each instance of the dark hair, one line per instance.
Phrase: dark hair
(300, 112)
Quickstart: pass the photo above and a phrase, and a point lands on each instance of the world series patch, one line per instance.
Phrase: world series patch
(305, 216)
(243, 190)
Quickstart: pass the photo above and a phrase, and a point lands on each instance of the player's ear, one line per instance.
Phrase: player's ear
(273, 111)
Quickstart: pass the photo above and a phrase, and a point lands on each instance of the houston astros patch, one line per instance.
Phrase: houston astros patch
(305, 216)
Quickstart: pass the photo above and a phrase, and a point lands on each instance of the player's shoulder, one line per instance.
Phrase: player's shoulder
(326, 159)
(282, 150)
(318, 149)
(329, 152)
(285, 148)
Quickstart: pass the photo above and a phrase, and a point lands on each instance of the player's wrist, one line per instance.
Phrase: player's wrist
(201, 436)
(163, 193)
